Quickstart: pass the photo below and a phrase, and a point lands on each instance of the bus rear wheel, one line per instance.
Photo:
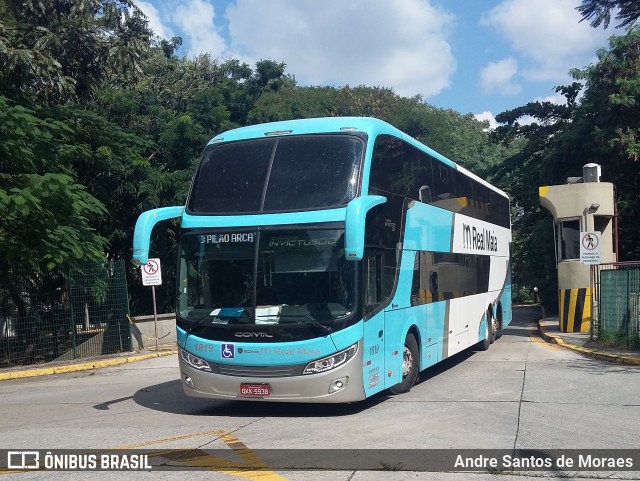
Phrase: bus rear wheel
(409, 366)
(498, 322)
(489, 333)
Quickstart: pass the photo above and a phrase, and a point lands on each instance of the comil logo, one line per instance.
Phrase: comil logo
(23, 460)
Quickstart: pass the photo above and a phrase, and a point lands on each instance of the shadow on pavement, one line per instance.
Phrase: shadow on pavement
(168, 397)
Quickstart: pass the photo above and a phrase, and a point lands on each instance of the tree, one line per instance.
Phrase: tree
(599, 11)
(61, 50)
(244, 86)
(46, 215)
(602, 126)
(544, 154)
(607, 124)
(175, 108)
(54, 54)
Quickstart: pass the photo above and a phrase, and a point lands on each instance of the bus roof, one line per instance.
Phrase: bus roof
(368, 125)
(307, 126)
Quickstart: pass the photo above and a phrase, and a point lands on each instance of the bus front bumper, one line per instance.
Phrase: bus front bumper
(340, 385)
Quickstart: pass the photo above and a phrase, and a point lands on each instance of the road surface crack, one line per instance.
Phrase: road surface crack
(521, 401)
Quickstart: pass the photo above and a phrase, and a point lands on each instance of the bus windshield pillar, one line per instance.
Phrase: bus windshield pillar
(355, 224)
(144, 226)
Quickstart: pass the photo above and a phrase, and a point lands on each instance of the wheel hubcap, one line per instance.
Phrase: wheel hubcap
(407, 362)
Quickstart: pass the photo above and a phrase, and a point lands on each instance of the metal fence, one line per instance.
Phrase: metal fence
(76, 313)
(618, 308)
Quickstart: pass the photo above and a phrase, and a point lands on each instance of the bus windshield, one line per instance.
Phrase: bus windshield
(271, 277)
(277, 174)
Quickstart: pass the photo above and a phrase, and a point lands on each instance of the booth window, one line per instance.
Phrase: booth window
(568, 236)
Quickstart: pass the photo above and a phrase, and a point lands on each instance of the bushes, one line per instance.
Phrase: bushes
(522, 295)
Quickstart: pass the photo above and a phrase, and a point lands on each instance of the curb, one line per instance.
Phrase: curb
(603, 356)
(83, 366)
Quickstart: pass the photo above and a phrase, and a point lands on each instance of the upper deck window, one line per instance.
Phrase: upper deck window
(283, 174)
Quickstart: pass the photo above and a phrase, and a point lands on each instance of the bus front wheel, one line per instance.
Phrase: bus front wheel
(409, 366)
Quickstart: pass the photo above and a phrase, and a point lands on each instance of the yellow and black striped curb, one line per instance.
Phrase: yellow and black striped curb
(604, 356)
(82, 366)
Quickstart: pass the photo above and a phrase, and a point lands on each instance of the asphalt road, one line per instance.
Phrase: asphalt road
(520, 394)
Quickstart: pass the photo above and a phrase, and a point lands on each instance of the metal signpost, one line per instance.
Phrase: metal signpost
(152, 276)
(590, 255)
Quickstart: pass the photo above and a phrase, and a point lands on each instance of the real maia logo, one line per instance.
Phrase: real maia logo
(479, 239)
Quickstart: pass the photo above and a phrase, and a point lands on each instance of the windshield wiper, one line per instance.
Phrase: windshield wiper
(310, 321)
(198, 323)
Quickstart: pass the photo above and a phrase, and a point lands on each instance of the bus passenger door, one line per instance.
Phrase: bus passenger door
(373, 339)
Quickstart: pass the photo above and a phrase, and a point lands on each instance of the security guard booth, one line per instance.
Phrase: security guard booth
(582, 205)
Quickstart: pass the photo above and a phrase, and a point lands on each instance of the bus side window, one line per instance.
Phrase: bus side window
(387, 166)
(443, 182)
(372, 283)
(418, 174)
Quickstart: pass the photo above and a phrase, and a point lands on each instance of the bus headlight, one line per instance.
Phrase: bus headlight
(194, 361)
(331, 362)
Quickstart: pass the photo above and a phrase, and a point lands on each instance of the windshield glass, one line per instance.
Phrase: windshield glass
(277, 174)
(279, 277)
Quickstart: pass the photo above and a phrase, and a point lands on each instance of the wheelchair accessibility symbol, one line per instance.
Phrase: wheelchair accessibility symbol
(228, 351)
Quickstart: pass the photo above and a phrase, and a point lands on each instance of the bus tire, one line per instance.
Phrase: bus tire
(410, 366)
(498, 322)
(489, 335)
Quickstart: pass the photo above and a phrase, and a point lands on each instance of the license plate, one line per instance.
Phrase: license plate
(256, 390)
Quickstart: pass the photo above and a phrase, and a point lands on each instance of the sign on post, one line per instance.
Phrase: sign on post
(151, 273)
(152, 276)
(590, 247)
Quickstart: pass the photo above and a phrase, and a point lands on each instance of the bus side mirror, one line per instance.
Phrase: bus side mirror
(144, 226)
(424, 194)
(355, 224)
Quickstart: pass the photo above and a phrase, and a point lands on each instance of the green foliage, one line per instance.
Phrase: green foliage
(614, 338)
(603, 127)
(46, 216)
(522, 296)
(98, 123)
(606, 128)
(599, 11)
(46, 221)
(64, 50)
(459, 137)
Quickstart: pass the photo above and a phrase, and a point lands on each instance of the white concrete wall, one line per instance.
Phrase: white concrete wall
(143, 331)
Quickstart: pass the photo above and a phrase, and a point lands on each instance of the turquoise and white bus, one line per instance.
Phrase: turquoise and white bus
(326, 260)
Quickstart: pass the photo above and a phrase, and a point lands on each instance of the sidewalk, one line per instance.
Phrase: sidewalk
(76, 365)
(549, 329)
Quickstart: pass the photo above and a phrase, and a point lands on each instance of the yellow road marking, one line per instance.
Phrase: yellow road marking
(250, 467)
(533, 337)
(168, 440)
